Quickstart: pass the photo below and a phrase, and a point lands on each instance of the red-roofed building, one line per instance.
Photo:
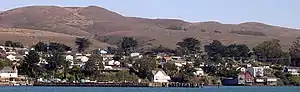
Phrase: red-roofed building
(245, 78)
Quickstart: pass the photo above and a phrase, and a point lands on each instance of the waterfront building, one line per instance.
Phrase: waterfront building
(8, 72)
(256, 71)
(160, 76)
(292, 70)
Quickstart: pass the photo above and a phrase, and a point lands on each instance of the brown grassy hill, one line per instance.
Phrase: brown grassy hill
(104, 25)
(29, 37)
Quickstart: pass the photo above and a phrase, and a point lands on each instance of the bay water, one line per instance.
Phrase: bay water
(131, 89)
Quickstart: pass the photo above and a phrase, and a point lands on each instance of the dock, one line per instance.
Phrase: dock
(187, 85)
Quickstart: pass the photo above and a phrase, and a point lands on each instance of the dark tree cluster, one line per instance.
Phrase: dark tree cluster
(82, 43)
(13, 44)
(188, 46)
(52, 46)
(128, 44)
(217, 50)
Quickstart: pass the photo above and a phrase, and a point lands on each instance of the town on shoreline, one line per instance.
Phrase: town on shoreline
(131, 62)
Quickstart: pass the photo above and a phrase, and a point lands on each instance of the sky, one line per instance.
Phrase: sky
(284, 13)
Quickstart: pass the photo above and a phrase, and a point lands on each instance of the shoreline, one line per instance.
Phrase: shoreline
(148, 85)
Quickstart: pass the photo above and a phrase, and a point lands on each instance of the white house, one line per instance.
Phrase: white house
(292, 70)
(8, 72)
(136, 55)
(176, 58)
(12, 58)
(241, 69)
(70, 58)
(80, 60)
(11, 52)
(103, 52)
(107, 57)
(113, 63)
(108, 67)
(256, 71)
(199, 72)
(2, 48)
(160, 76)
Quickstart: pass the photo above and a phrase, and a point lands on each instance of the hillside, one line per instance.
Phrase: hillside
(29, 37)
(107, 26)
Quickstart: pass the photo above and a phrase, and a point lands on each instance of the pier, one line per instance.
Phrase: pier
(187, 85)
(94, 84)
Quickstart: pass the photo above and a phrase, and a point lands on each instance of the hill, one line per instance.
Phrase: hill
(107, 26)
(29, 37)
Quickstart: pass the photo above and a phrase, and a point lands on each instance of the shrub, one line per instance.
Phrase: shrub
(249, 33)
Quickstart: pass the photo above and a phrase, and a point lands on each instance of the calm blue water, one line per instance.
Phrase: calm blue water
(206, 89)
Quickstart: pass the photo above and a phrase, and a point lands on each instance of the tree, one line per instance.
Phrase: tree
(56, 62)
(162, 49)
(17, 44)
(4, 63)
(189, 46)
(90, 68)
(82, 43)
(144, 66)
(269, 51)
(185, 74)
(295, 53)
(122, 76)
(8, 43)
(216, 48)
(237, 50)
(98, 60)
(30, 65)
(53, 46)
(93, 66)
(13, 44)
(112, 50)
(170, 68)
(41, 47)
(128, 44)
(295, 80)
(76, 73)
(227, 73)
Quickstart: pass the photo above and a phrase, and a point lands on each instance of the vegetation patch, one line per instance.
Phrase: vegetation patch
(176, 28)
(249, 33)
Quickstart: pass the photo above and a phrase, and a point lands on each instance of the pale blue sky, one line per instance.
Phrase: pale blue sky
(277, 12)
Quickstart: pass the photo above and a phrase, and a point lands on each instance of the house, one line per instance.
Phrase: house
(2, 48)
(8, 72)
(272, 81)
(43, 61)
(292, 70)
(160, 76)
(256, 71)
(260, 81)
(231, 81)
(70, 58)
(113, 63)
(12, 58)
(103, 52)
(108, 57)
(81, 60)
(199, 72)
(249, 65)
(176, 58)
(245, 78)
(11, 53)
(136, 55)
(243, 69)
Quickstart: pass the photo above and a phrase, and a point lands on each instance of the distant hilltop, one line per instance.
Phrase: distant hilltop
(106, 28)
